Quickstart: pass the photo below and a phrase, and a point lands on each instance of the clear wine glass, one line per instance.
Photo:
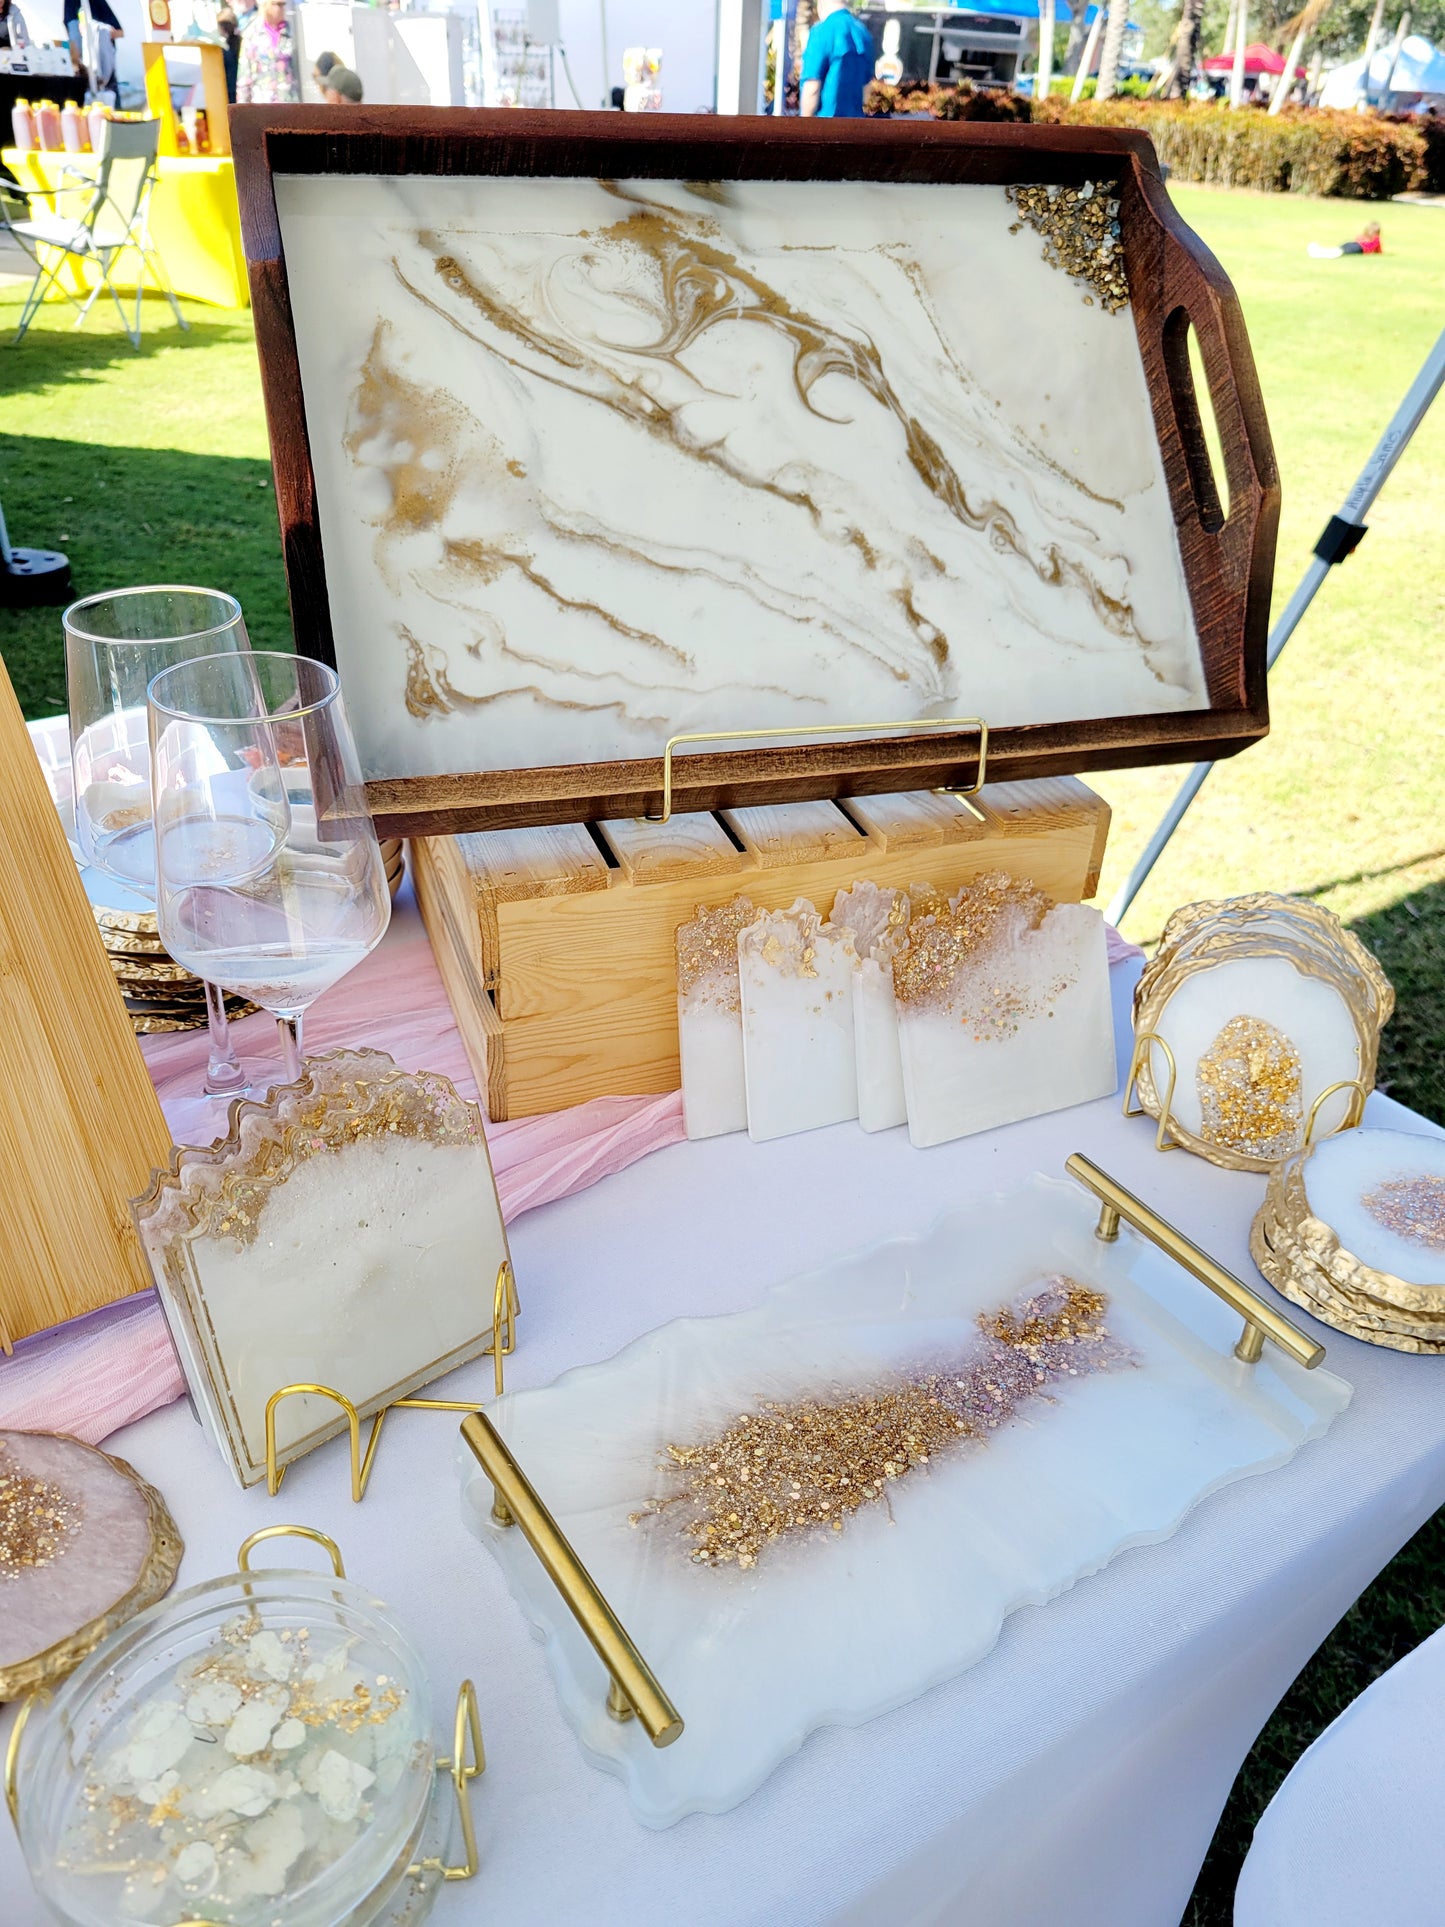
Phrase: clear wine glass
(114, 644)
(269, 878)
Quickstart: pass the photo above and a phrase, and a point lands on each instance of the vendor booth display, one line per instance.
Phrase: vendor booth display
(723, 608)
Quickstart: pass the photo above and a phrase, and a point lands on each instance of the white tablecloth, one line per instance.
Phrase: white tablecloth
(1073, 1777)
(1353, 1838)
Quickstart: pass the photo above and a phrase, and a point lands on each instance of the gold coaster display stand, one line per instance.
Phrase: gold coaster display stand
(505, 1307)
(1169, 1135)
(634, 1691)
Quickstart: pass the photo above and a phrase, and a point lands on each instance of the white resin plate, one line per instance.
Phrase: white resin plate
(756, 1660)
(598, 462)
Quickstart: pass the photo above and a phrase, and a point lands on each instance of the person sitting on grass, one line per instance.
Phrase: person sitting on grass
(1368, 242)
(341, 87)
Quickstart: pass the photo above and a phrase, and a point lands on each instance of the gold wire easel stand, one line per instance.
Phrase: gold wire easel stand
(963, 791)
(1171, 1136)
(505, 1307)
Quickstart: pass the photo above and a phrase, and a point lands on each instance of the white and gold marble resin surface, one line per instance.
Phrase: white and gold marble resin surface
(598, 462)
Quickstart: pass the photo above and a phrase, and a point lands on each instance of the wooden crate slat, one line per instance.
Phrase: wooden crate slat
(914, 819)
(693, 844)
(786, 833)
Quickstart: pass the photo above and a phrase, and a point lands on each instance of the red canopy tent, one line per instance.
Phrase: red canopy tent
(1258, 59)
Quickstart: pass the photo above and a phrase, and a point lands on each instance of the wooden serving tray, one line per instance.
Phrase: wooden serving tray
(557, 946)
(592, 431)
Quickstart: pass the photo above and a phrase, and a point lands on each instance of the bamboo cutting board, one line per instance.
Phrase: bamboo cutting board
(81, 1129)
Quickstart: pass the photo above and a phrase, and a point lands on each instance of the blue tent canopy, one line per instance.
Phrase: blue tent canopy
(1005, 9)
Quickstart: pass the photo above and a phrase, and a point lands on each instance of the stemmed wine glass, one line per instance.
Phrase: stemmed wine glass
(269, 878)
(114, 644)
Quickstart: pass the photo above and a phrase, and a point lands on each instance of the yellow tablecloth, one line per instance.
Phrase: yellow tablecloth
(195, 222)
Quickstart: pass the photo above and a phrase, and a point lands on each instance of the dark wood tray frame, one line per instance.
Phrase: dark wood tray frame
(1174, 281)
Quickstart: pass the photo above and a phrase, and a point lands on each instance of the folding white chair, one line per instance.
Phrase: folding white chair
(115, 206)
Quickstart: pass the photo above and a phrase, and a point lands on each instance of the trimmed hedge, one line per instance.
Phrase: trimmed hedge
(1304, 150)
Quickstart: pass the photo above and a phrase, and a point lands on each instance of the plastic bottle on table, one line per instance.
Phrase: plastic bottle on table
(97, 118)
(47, 127)
(22, 123)
(72, 129)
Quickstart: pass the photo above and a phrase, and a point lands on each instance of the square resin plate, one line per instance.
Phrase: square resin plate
(1102, 1448)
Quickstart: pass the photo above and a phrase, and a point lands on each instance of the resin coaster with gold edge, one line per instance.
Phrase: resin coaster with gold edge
(1355, 1231)
(85, 1543)
(1257, 1026)
(1291, 1270)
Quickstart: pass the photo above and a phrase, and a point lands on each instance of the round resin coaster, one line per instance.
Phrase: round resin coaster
(1257, 1027)
(84, 1544)
(1355, 1230)
(254, 1750)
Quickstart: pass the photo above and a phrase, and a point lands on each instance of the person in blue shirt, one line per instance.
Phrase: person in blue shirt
(837, 63)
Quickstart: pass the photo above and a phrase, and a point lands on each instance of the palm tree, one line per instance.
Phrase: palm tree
(1184, 49)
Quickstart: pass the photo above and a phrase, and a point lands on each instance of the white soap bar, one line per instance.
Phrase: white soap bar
(796, 977)
(1003, 1010)
(877, 920)
(709, 1019)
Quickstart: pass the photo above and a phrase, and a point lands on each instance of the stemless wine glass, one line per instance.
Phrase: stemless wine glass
(269, 878)
(114, 644)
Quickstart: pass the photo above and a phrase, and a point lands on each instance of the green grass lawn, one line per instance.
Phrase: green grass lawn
(153, 467)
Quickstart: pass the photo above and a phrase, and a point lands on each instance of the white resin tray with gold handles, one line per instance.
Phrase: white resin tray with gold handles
(1093, 1444)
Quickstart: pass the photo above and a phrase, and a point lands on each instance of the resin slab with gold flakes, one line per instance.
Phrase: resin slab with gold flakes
(991, 1410)
(588, 436)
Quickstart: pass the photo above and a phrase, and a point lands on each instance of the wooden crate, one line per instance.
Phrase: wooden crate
(80, 1127)
(557, 945)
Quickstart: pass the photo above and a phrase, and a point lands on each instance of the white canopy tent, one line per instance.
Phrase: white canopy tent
(1418, 77)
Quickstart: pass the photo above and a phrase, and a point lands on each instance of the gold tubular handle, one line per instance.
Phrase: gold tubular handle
(634, 1689)
(829, 731)
(1261, 1321)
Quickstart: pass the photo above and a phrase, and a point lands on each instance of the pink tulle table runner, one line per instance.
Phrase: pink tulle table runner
(97, 1373)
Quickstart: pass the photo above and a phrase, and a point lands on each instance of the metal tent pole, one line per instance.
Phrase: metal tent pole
(1340, 538)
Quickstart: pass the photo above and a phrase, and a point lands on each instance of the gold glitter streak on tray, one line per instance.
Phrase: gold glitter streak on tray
(810, 1464)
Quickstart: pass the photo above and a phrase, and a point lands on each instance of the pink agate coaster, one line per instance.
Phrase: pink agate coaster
(84, 1544)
